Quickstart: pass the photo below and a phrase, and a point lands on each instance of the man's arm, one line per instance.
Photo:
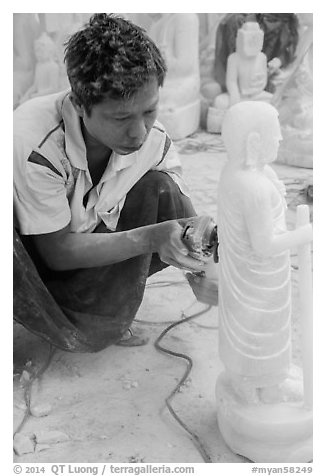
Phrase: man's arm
(63, 250)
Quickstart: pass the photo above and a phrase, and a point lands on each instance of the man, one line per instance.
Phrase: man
(97, 192)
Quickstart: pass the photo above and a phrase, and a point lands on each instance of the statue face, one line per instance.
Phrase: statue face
(250, 41)
(271, 142)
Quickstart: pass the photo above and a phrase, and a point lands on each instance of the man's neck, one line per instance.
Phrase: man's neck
(94, 148)
(98, 155)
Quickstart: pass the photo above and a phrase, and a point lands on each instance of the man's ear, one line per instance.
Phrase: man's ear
(78, 107)
(253, 149)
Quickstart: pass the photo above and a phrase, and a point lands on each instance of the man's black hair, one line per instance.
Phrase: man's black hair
(111, 57)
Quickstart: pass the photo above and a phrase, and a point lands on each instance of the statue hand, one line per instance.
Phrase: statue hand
(274, 65)
(279, 77)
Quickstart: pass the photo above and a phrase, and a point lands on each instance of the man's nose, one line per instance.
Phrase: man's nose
(137, 131)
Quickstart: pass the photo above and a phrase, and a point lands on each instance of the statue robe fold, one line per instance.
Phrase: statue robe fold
(254, 291)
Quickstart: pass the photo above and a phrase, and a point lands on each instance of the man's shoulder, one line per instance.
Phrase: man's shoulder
(40, 103)
(35, 118)
(35, 122)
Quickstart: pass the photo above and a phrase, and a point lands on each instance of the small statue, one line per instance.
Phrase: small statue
(246, 75)
(254, 276)
(46, 76)
(177, 36)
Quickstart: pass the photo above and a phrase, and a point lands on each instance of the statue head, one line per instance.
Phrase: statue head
(250, 39)
(251, 133)
(44, 48)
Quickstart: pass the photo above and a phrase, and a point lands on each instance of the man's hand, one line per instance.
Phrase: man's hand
(166, 239)
(205, 289)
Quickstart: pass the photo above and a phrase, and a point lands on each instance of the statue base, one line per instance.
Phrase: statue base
(180, 122)
(214, 120)
(264, 433)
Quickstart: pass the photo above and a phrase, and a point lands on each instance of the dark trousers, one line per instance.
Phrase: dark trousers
(86, 310)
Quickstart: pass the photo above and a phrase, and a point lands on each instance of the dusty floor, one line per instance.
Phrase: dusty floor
(111, 405)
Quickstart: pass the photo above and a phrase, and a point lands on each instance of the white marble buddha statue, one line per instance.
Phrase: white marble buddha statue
(254, 267)
(294, 100)
(59, 27)
(177, 36)
(25, 30)
(46, 75)
(246, 75)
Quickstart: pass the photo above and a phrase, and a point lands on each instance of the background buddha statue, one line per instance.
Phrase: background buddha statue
(280, 40)
(46, 74)
(25, 30)
(294, 101)
(59, 27)
(246, 75)
(177, 36)
(280, 43)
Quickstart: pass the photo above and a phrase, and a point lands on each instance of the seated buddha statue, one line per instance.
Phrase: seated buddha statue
(246, 75)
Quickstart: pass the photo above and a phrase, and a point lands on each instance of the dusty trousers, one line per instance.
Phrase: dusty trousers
(86, 310)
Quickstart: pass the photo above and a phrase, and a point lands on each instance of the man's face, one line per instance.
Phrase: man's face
(123, 125)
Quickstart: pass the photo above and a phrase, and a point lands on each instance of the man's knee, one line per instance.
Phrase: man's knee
(154, 198)
(155, 189)
(159, 182)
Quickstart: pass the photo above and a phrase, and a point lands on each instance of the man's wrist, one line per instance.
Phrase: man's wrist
(148, 237)
(154, 236)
